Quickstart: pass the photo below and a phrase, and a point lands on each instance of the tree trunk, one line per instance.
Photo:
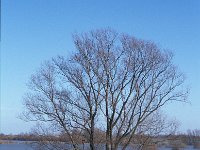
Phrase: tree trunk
(92, 135)
(109, 139)
(108, 147)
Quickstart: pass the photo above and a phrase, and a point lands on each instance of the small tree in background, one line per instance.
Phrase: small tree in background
(194, 138)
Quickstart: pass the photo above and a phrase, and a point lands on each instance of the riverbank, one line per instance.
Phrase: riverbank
(14, 142)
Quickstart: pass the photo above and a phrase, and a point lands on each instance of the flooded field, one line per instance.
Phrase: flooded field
(28, 147)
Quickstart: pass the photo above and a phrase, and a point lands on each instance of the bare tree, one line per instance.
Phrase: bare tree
(194, 137)
(155, 130)
(113, 80)
(136, 77)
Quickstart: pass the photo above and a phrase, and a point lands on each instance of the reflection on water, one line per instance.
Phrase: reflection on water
(15, 147)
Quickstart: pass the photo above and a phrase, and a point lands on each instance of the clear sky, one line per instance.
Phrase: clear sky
(36, 30)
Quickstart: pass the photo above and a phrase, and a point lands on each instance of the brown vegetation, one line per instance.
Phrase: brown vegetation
(175, 142)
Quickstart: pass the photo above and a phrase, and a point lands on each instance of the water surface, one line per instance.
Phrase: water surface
(28, 147)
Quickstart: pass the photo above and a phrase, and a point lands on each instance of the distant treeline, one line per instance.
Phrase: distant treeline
(20, 137)
(192, 137)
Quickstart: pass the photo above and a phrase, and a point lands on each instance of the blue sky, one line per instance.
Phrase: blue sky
(36, 30)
